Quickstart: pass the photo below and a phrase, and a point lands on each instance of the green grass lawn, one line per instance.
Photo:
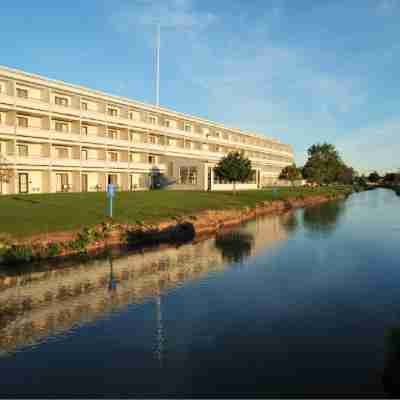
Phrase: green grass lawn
(25, 215)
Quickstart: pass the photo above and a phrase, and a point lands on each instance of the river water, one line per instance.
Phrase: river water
(297, 304)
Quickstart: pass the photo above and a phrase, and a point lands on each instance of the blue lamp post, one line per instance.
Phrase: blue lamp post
(110, 195)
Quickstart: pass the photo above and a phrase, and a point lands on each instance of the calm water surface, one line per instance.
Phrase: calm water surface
(297, 304)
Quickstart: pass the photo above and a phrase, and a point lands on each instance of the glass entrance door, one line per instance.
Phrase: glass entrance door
(62, 183)
(23, 183)
(84, 183)
(209, 180)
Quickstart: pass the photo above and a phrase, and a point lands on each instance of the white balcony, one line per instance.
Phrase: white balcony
(6, 129)
(148, 146)
(32, 160)
(6, 99)
(68, 136)
(33, 131)
(65, 110)
(118, 164)
(118, 119)
(30, 102)
(94, 163)
(66, 162)
(92, 114)
(146, 167)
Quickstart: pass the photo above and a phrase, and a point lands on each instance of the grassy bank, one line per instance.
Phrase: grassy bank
(26, 215)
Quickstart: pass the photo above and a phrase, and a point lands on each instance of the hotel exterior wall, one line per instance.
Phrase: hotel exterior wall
(52, 115)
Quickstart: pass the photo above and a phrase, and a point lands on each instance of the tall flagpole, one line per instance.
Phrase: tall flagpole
(158, 67)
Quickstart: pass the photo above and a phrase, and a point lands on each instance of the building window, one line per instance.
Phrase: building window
(62, 152)
(84, 154)
(151, 159)
(131, 115)
(188, 144)
(171, 168)
(112, 112)
(22, 93)
(152, 119)
(22, 122)
(188, 128)
(152, 139)
(167, 123)
(84, 130)
(188, 175)
(113, 156)
(112, 134)
(23, 150)
(84, 106)
(61, 101)
(61, 126)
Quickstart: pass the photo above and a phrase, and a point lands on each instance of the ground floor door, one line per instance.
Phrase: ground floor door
(209, 178)
(84, 183)
(23, 183)
(112, 179)
(62, 183)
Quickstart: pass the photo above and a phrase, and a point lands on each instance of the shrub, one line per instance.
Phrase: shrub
(18, 253)
(54, 249)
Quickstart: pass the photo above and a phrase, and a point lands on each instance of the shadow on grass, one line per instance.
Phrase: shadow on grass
(26, 200)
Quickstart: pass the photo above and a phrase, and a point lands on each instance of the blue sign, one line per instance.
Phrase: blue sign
(110, 194)
(111, 190)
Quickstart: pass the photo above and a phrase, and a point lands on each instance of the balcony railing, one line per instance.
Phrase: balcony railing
(93, 114)
(94, 163)
(31, 102)
(67, 109)
(66, 135)
(73, 162)
(6, 128)
(32, 160)
(6, 99)
(33, 131)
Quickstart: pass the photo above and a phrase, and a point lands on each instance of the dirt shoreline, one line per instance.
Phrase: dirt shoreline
(184, 229)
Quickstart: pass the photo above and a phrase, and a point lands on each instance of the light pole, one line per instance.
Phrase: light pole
(158, 65)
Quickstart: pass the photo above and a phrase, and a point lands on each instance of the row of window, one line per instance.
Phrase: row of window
(153, 139)
(64, 153)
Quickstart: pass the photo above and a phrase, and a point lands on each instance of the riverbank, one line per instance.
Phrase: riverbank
(192, 220)
(395, 188)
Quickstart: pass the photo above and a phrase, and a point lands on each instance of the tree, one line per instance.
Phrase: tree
(234, 167)
(6, 172)
(374, 177)
(324, 163)
(392, 178)
(291, 173)
(346, 175)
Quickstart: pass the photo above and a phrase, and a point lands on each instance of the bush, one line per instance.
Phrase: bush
(18, 253)
(54, 249)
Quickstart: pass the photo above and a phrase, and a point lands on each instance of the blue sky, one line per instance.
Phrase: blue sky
(302, 71)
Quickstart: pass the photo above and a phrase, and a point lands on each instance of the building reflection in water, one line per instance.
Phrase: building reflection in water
(37, 305)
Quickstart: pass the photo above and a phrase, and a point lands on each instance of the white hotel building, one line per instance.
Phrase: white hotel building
(58, 137)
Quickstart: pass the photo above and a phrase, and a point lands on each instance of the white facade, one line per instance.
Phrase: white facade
(57, 137)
